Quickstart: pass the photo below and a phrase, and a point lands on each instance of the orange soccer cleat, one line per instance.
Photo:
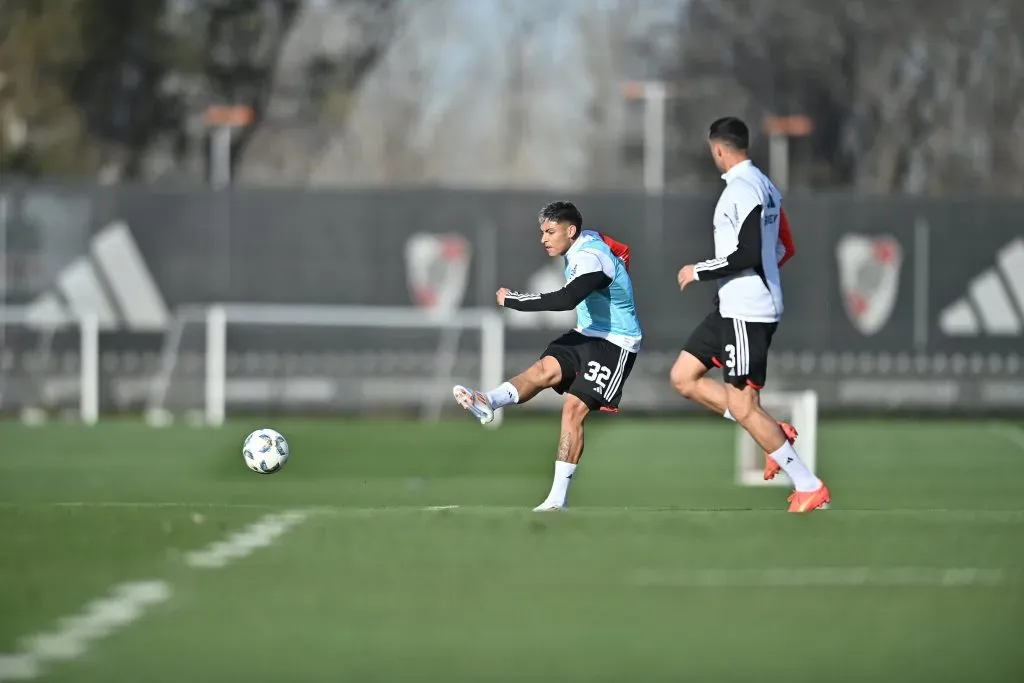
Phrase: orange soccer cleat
(771, 468)
(809, 500)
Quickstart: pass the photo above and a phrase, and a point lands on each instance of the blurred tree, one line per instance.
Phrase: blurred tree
(106, 85)
(39, 51)
(331, 47)
(242, 46)
(495, 93)
(118, 85)
(914, 96)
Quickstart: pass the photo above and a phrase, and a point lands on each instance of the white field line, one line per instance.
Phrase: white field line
(126, 603)
(920, 514)
(824, 577)
(129, 601)
(242, 543)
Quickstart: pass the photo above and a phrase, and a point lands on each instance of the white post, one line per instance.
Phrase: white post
(220, 156)
(89, 350)
(778, 160)
(216, 364)
(492, 356)
(654, 137)
(921, 284)
(808, 442)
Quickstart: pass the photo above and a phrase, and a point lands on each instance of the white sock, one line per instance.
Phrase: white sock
(728, 416)
(564, 472)
(801, 476)
(505, 395)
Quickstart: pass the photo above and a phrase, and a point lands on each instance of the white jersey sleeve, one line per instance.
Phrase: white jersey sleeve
(747, 247)
(587, 261)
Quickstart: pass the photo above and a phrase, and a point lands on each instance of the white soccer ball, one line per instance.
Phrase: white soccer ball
(265, 451)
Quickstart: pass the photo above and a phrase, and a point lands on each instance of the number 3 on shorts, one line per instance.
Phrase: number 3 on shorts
(598, 374)
(730, 359)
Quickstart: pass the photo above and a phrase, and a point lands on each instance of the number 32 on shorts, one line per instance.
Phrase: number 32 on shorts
(598, 374)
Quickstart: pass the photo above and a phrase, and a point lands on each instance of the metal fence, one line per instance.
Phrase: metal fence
(891, 303)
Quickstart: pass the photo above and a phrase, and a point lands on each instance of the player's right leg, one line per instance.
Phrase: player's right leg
(811, 493)
(703, 351)
(546, 373)
(543, 374)
(746, 359)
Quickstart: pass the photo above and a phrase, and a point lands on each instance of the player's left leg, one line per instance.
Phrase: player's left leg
(746, 348)
(570, 450)
(605, 368)
(689, 377)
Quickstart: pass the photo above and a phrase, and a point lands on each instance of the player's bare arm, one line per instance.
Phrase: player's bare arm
(685, 276)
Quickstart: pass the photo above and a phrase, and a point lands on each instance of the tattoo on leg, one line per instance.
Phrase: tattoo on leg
(564, 447)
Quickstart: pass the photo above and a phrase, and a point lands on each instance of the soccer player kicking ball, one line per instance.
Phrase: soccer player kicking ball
(751, 237)
(588, 365)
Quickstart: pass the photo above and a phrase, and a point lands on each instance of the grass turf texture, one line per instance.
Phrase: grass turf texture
(374, 588)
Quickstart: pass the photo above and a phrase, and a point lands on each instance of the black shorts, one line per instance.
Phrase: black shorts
(593, 369)
(739, 347)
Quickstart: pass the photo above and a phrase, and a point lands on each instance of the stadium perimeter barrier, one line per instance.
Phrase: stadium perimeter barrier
(892, 304)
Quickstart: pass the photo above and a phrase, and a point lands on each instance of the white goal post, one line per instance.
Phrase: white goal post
(800, 408)
(46, 324)
(217, 318)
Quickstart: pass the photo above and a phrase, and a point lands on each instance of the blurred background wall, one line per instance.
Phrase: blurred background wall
(369, 130)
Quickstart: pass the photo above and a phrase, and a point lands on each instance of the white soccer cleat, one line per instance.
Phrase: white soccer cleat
(475, 402)
(548, 506)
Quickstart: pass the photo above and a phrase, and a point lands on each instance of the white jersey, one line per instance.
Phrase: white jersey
(754, 293)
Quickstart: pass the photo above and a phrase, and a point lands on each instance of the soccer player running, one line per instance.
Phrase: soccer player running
(588, 365)
(736, 335)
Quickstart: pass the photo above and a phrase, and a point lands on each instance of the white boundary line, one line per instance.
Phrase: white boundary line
(824, 577)
(924, 514)
(128, 601)
(260, 534)
(125, 604)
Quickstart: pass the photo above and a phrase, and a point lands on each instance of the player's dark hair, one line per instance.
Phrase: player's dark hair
(730, 131)
(562, 212)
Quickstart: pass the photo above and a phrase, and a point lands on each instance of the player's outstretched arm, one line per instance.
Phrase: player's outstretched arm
(564, 299)
(747, 254)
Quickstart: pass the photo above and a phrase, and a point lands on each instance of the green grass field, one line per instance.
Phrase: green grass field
(664, 570)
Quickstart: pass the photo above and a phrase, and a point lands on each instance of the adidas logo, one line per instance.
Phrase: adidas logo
(112, 282)
(989, 304)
